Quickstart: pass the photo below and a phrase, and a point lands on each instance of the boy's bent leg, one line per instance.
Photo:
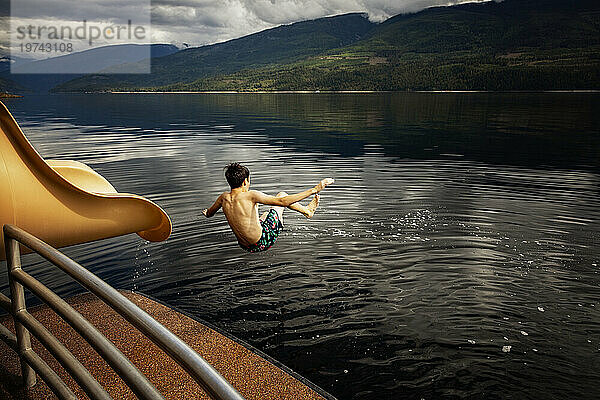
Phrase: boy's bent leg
(309, 210)
(278, 209)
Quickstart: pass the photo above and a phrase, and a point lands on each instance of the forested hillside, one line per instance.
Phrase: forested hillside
(286, 43)
(512, 45)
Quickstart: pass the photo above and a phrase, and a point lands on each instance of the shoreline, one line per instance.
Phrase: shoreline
(341, 91)
(248, 92)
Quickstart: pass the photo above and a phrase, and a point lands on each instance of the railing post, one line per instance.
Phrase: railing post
(17, 294)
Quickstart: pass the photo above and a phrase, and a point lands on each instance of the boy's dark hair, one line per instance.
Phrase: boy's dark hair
(236, 173)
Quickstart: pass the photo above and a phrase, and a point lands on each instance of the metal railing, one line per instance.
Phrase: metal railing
(199, 369)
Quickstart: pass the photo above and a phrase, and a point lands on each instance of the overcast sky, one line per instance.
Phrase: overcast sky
(199, 22)
(206, 21)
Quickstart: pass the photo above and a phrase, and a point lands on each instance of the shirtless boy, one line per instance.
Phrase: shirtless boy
(240, 206)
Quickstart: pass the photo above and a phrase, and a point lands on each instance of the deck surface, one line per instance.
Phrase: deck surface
(253, 376)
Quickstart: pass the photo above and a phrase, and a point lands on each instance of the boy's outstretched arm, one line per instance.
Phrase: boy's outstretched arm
(286, 201)
(209, 212)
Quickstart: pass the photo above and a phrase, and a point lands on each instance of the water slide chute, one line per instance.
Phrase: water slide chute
(66, 202)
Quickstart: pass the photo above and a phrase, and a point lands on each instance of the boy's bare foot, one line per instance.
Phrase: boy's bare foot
(312, 206)
(324, 183)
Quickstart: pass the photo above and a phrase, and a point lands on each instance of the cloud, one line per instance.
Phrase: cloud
(211, 21)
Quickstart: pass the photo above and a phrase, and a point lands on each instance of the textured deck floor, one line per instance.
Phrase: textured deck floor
(253, 376)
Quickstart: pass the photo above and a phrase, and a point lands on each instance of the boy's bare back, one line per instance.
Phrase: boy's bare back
(240, 206)
(241, 212)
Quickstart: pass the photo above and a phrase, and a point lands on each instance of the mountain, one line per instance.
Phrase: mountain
(286, 43)
(509, 45)
(7, 86)
(6, 60)
(28, 76)
(490, 26)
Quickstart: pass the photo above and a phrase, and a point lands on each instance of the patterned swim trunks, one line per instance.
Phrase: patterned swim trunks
(271, 228)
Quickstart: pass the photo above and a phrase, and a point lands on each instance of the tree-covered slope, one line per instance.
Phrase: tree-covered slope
(509, 45)
(282, 44)
(491, 26)
(7, 86)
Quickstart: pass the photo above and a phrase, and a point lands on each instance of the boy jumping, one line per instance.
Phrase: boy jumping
(240, 206)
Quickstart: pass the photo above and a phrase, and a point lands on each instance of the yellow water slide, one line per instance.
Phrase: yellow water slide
(66, 202)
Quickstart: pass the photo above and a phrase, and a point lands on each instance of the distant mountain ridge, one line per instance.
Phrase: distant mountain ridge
(509, 45)
(26, 73)
(6, 60)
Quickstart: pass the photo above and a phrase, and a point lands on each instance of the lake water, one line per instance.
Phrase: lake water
(458, 224)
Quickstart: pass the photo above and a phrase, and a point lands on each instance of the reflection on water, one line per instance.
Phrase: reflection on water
(458, 224)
